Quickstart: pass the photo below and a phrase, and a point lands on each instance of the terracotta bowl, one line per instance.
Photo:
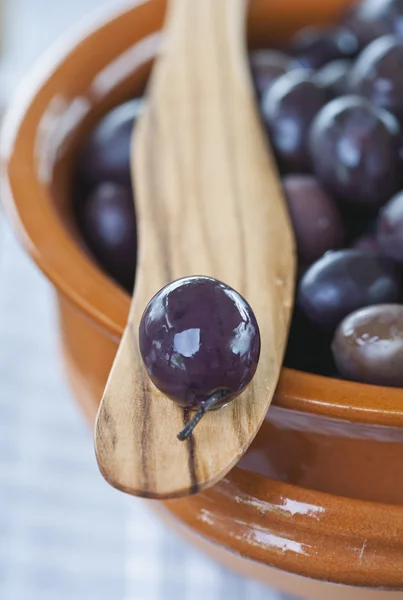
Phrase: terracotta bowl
(320, 492)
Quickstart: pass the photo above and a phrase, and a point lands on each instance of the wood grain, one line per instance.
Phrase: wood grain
(208, 202)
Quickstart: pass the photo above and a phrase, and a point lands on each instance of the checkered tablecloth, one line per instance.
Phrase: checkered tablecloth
(64, 533)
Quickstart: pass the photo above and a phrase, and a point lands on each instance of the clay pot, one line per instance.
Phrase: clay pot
(320, 492)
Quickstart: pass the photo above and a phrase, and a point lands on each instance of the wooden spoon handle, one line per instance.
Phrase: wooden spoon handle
(208, 202)
(200, 152)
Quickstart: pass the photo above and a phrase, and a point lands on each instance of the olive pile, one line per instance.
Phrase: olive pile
(332, 106)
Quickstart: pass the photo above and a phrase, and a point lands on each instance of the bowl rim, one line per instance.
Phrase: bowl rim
(101, 299)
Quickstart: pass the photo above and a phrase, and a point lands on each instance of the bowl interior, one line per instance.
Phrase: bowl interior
(97, 66)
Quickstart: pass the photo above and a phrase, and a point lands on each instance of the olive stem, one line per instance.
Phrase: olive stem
(209, 403)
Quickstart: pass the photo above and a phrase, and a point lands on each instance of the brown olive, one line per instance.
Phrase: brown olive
(368, 345)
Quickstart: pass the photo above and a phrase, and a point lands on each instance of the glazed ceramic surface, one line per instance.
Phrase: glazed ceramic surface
(320, 492)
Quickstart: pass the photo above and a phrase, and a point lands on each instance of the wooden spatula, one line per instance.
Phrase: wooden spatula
(208, 202)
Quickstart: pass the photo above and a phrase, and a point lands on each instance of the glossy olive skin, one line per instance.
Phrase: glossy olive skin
(105, 155)
(313, 47)
(355, 149)
(315, 217)
(267, 66)
(377, 74)
(197, 336)
(368, 345)
(108, 224)
(390, 228)
(288, 108)
(343, 281)
(334, 77)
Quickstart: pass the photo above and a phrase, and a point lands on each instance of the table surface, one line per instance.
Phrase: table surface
(65, 534)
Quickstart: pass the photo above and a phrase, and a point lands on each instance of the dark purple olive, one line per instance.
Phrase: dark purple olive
(288, 108)
(368, 345)
(108, 224)
(267, 66)
(316, 220)
(377, 74)
(106, 154)
(343, 281)
(200, 343)
(199, 336)
(371, 19)
(390, 228)
(313, 47)
(355, 151)
(334, 77)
